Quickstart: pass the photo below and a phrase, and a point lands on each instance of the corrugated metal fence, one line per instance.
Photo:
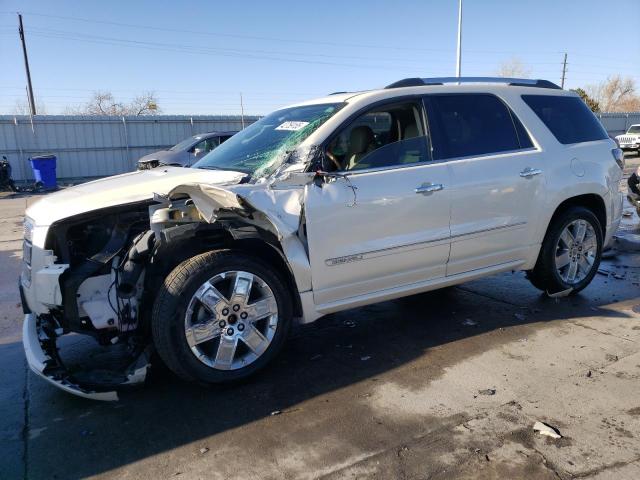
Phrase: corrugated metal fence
(617, 123)
(99, 146)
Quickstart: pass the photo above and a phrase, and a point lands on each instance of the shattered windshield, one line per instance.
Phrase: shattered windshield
(262, 147)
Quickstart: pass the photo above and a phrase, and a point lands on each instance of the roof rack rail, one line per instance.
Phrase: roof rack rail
(520, 82)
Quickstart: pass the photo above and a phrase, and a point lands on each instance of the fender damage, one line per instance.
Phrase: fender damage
(241, 211)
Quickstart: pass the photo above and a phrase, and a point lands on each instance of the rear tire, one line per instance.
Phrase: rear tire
(565, 261)
(220, 317)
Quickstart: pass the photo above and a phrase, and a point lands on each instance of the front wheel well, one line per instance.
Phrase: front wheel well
(177, 252)
(273, 256)
(591, 201)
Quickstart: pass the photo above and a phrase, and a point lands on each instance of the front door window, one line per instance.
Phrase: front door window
(388, 136)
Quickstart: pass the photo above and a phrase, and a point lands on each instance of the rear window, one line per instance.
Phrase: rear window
(464, 125)
(568, 118)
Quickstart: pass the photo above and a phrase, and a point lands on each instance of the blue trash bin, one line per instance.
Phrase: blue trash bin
(44, 170)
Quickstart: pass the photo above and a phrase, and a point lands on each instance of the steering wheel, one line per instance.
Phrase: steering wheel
(333, 159)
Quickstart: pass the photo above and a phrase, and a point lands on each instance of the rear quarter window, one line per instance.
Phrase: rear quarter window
(568, 118)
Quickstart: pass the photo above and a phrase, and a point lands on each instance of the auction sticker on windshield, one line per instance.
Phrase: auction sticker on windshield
(291, 126)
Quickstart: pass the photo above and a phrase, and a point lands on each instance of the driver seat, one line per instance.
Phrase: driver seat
(360, 143)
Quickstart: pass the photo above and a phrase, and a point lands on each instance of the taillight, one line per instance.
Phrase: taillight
(618, 156)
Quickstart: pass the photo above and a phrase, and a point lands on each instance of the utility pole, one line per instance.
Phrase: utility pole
(459, 51)
(241, 111)
(32, 103)
(564, 71)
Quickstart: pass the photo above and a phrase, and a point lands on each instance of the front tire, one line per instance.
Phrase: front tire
(570, 253)
(220, 317)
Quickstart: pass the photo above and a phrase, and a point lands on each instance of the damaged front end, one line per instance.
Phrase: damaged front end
(89, 279)
(104, 268)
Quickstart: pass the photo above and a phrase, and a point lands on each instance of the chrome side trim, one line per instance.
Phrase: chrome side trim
(486, 230)
(356, 257)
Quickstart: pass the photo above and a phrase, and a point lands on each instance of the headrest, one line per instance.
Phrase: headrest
(411, 131)
(360, 139)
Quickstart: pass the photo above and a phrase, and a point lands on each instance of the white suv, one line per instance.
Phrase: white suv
(631, 139)
(326, 205)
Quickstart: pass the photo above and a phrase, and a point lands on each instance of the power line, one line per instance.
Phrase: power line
(199, 50)
(64, 33)
(233, 35)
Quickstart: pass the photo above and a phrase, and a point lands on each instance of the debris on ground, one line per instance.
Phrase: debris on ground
(563, 293)
(604, 272)
(204, 450)
(609, 253)
(365, 358)
(469, 323)
(589, 374)
(276, 412)
(611, 358)
(627, 213)
(547, 430)
(488, 391)
(349, 323)
(404, 448)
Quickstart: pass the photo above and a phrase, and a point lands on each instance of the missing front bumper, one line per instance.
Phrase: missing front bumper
(44, 363)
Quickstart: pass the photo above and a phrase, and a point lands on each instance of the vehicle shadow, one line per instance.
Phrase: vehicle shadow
(81, 438)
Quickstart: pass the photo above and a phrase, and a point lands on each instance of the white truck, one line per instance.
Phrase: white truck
(319, 207)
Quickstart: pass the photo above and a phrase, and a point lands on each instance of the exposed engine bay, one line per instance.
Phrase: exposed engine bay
(116, 258)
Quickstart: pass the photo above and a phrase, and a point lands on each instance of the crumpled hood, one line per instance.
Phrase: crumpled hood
(121, 189)
(281, 208)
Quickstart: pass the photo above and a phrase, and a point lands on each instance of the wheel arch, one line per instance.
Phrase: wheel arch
(592, 201)
(189, 240)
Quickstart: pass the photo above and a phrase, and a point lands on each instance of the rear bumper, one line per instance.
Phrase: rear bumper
(43, 365)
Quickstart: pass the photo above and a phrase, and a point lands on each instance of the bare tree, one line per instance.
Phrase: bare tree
(145, 104)
(104, 103)
(513, 67)
(616, 94)
(21, 107)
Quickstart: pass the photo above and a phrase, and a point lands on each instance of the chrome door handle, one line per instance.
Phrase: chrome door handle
(429, 188)
(530, 172)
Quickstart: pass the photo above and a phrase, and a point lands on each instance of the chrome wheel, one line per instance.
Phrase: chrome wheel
(576, 251)
(231, 320)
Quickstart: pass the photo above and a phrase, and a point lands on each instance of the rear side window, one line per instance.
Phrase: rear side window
(466, 125)
(568, 118)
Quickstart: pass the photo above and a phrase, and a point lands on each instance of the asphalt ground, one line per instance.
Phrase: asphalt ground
(446, 384)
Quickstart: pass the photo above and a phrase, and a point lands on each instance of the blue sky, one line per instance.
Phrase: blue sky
(199, 55)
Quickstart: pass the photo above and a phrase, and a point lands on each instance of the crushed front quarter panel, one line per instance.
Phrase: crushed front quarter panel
(277, 210)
